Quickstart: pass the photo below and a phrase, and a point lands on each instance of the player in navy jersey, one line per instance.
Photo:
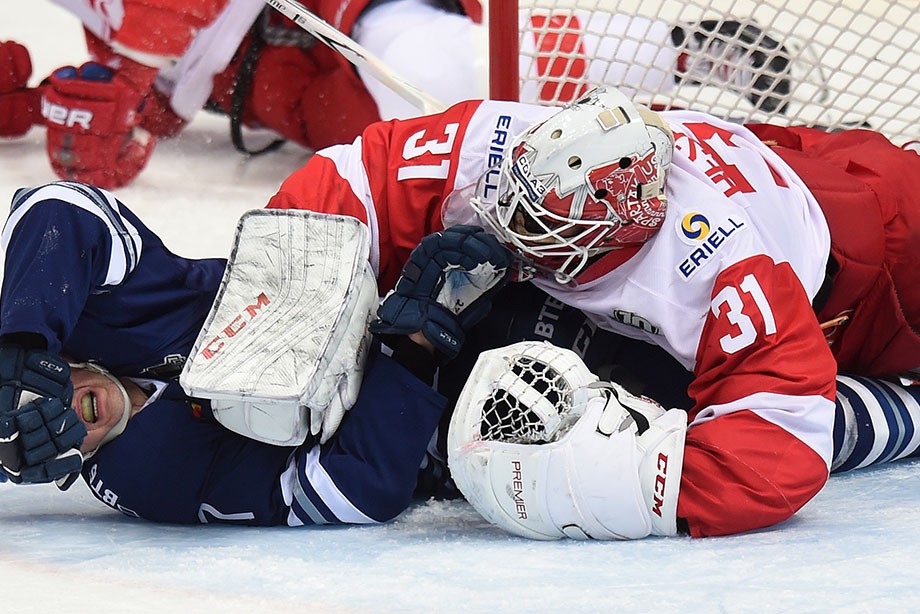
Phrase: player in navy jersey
(86, 279)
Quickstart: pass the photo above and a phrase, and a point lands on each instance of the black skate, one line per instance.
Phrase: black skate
(736, 54)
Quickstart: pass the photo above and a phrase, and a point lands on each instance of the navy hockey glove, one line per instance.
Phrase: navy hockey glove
(446, 287)
(40, 435)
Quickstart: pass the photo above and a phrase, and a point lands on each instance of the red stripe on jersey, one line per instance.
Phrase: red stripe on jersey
(318, 186)
(760, 336)
(742, 473)
(411, 166)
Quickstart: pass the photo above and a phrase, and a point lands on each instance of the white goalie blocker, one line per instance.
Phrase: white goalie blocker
(544, 450)
(282, 352)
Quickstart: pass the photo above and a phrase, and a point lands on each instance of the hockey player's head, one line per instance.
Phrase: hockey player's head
(587, 180)
(103, 403)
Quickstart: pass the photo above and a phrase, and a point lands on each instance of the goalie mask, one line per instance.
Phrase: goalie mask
(587, 180)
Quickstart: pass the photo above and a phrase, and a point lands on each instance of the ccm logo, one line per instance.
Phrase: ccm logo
(62, 116)
(236, 325)
(660, 480)
(50, 366)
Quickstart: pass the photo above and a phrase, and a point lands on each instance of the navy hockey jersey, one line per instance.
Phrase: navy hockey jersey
(175, 463)
(83, 271)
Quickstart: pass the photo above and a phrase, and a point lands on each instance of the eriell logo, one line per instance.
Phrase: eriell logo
(695, 229)
(496, 151)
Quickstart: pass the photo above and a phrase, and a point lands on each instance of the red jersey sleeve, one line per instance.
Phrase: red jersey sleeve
(760, 439)
(395, 179)
(165, 27)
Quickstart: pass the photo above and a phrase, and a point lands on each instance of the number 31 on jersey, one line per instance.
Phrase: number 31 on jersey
(419, 144)
(729, 302)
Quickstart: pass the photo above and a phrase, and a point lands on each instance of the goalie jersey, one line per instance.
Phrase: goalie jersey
(84, 272)
(725, 287)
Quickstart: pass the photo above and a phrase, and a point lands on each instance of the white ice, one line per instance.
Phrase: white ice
(854, 548)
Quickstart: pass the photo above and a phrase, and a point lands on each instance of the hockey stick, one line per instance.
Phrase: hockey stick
(356, 54)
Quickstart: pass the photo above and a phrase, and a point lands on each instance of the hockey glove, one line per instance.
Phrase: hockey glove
(446, 287)
(40, 435)
(93, 117)
(19, 104)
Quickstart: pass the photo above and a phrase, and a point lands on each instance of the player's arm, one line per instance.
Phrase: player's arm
(177, 24)
(103, 117)
(760, 437)
(367, 471)
(413, 158)
(61, 242)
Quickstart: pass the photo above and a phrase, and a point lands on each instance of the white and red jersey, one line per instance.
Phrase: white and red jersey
(725, 287)
(191, 41)
(187, 42)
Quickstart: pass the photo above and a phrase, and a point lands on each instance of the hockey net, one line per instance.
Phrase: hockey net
(830, 63)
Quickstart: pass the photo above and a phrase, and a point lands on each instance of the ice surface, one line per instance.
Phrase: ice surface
(854, 548)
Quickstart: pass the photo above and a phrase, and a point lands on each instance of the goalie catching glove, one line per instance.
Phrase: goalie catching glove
(445, 287)
(543, 450)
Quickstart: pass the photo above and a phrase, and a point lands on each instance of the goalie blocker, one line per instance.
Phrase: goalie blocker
(282, 351)
(544, 450)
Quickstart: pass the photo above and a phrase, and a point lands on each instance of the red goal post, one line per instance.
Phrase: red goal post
(830, 63)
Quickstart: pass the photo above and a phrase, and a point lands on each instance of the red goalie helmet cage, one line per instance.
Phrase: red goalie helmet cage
(829, 63)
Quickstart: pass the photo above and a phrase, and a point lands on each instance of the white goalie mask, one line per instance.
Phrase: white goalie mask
(585, 181)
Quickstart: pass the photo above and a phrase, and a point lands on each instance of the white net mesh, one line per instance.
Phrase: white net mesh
(829, 63)
(508, 417)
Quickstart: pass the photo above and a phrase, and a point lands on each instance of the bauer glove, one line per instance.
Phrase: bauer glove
(93, 117)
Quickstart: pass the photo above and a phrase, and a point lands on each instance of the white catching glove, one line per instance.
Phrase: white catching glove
(615, 474)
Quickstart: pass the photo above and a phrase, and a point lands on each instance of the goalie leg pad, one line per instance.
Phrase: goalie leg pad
(282, 351)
